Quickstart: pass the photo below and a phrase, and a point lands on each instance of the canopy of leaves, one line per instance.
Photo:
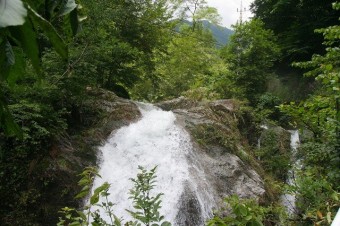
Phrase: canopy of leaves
(320, 113)
(250, 54)
(294, 22)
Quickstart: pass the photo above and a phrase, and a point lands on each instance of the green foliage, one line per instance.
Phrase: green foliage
(201, 94)
(321, 112)
(250, 54)
(323, 157)
(296, 29)
(274, 153)
(56, 41)
(32, 113)
(267, 109)
(40, 124)
(190, 62)
(124, 37)
(316, 114)
(245, 212)
(129, 47)
(296, 38)
(316, 197)
(187, 61)
(44, 93)
(196, 11)
(317, 185)
(268, 100)
(147, 207)
(75, 217)
(24, 38)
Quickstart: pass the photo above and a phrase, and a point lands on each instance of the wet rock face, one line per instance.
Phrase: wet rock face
(232, 176)
(221, 148)
(190, 212)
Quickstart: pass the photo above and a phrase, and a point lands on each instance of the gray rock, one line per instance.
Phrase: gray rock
(220, 147)
(190, 212)
(178, 103)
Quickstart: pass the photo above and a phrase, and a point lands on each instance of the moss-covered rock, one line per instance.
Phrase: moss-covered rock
(178, 103)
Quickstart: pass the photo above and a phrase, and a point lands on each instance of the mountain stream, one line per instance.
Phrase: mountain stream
(156, 140)
(288, 200)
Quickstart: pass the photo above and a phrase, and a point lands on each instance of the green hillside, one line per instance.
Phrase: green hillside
(221, 34)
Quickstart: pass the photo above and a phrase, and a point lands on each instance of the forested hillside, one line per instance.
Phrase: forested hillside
(220, 34)
(58, 57)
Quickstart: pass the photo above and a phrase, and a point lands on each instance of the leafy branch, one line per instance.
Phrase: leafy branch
(147, 207)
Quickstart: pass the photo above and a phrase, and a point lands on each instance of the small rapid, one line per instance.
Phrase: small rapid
(289, 200)
(155, 140)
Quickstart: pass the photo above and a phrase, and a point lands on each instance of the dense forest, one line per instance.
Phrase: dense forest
(283, 64)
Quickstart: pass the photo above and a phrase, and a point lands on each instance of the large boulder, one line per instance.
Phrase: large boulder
(220, 146)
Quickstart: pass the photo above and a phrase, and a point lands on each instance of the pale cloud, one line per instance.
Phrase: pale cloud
(228, 10)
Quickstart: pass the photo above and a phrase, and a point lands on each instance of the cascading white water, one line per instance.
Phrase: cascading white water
(155, 140)
(288, 200)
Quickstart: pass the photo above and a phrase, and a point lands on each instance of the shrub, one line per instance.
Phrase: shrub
(147, 206)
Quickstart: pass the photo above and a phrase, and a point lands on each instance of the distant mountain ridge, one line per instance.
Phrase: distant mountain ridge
(221, 34)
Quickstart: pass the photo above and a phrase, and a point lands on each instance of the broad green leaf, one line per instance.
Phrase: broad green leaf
(74, 21)
(82, 215)
(84, 181)
(50, 32)
(12, 13)
(166, 223)
(101, 188)
(94, 199)
(26, 38)
(82, 194)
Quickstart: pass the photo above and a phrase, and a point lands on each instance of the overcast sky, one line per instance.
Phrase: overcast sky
(228, 10)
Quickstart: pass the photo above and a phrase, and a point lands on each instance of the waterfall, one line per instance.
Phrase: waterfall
(288, 200)
(156, 140)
